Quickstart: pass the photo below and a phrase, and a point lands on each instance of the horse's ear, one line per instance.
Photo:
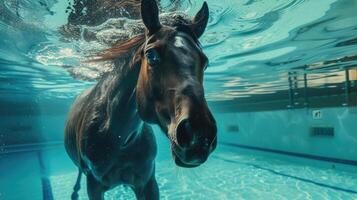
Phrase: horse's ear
(199, 22)
(150, 15)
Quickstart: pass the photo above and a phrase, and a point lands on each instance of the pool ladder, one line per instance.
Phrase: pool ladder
(294, 92)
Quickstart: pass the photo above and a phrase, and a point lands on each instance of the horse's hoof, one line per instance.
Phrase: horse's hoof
(74, 196)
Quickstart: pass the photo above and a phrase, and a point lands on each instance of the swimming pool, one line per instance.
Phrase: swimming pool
(231, 173)
(281, 83)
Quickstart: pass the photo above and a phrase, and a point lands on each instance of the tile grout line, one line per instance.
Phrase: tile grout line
(45, 182)
(288, 153)
(291, 176)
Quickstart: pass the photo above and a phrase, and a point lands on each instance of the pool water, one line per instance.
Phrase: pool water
(230, 173)
(274, 67)
(251, 46)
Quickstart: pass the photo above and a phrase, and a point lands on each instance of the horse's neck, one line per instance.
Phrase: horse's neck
(121, 106)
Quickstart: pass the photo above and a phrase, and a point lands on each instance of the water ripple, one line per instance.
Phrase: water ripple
(252, 45)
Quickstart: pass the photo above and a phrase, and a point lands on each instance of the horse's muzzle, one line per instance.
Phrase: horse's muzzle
(193, 144)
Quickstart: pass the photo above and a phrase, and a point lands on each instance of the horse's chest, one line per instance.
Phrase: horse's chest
(134, 165)
(130, 171)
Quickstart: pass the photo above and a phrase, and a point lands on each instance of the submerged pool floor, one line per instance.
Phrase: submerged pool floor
(228, 174)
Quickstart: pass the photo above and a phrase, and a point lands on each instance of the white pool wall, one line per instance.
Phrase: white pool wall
(289, 130)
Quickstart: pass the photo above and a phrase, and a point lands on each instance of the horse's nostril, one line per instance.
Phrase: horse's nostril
(166, 116)
(184, 133)
(206, 143)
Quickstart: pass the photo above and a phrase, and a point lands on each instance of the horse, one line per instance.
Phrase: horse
(160, 81)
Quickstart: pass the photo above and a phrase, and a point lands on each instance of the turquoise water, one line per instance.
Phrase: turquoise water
(230, 173)
(252, 46)
(233, 174)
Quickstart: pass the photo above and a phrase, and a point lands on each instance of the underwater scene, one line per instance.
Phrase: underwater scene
(178, 99)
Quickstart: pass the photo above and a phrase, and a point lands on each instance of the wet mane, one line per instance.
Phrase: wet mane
(126, 53)
(121, 49)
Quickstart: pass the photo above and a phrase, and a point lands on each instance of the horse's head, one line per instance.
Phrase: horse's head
(170, 86)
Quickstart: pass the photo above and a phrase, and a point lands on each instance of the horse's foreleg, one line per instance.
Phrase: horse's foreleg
(150, 191)
(94, 189)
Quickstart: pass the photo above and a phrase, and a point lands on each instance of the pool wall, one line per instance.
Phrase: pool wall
(290, 132)
(279, 131)
(31, 121)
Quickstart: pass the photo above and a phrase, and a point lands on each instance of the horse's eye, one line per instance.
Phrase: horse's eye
(153, 57)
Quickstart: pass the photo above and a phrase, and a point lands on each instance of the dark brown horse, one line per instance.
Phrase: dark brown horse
(159, 82)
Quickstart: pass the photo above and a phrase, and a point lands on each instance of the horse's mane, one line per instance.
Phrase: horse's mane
(121, 49)
(127, 51)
